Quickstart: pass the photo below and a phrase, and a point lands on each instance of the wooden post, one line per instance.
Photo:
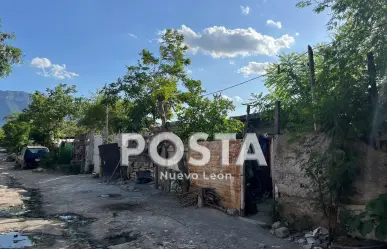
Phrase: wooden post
(277, 118)
(245, 130)
(312, 81)
(106, 132)
(374, 138)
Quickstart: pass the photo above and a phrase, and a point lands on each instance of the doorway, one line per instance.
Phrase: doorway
(258, 187)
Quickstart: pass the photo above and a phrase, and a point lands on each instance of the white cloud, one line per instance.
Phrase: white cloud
(227, 97)
(189, 71)
(297, 34)
(274, 24)
(245, 10)
(235, 99)
(53, 70)
(201, 69)
(133, 35)
(60, 72)
(40, 62)
(231, 62)
(256, 68)
(220, 42)
(238, 99)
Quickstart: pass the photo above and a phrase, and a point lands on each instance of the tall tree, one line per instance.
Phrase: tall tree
(359, 29)
(158, 87)
(152, 84)
(94, 115)
(200, 114)
(9, 55)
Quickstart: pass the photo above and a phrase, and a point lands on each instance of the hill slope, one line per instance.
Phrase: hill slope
(12, 101)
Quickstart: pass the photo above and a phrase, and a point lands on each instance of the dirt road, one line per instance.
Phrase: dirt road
(78, 211)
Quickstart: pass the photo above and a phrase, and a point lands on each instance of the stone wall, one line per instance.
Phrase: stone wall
(372, 179)
(138, 163)
(296, 197)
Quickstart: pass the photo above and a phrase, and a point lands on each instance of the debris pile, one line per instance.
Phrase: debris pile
(201, 197)
(189, 198)
(279, 230)
(212, 199)
(317, 239)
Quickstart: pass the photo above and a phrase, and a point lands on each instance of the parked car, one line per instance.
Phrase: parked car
(3, 150)
(31, 156)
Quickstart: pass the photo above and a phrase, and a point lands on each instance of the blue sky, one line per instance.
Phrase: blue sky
(88, 43)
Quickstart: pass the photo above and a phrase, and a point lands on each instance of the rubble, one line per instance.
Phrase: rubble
(276, 225)
(39, 170)
(233, 211)
(301, 241)
(311, 240)
(282, 232)
(316, 239)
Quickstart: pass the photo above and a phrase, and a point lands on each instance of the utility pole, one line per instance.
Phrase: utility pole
(246, 129)
(312, 81)
(277, 117)
(106, 133)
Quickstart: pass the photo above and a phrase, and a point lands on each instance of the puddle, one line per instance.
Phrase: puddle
(14, 240)
(110, 196)
(67, 218)
(123, 238)
(10, 213)
(75, 219)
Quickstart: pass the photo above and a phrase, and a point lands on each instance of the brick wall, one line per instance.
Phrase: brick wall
(229, 190)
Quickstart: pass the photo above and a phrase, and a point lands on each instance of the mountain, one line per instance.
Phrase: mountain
(12, 101)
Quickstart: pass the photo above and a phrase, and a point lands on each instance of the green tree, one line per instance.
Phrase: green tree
(152, 85)
(347, 98)
(359, 30)
(16, 133)
(9, 55)
(94, 115)
(201, 114)
(159, 87)
(49, 112)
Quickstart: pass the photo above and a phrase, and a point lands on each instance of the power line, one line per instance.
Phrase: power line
(263, 75)
(244, 82)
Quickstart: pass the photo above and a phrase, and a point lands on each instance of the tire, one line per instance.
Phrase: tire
(23, 165)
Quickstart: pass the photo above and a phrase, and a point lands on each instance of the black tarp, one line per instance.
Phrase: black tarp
(110, 158)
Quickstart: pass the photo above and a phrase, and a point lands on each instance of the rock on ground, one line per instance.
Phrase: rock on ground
(282, 232)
